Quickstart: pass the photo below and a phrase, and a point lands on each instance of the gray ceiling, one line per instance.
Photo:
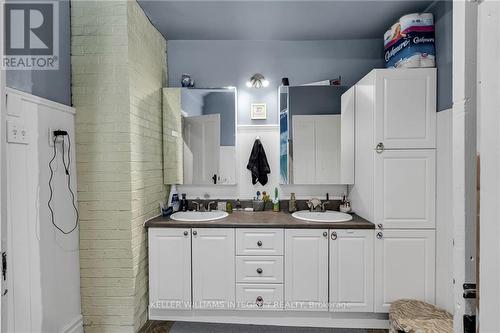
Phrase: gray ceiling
(276, 20)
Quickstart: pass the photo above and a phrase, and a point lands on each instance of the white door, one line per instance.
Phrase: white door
(316, 149)
(169, 268)
(404, 266)
(306, 269)
(405, 188)
(202, 145)
(405, 105)
(213, 268)
(351, 270)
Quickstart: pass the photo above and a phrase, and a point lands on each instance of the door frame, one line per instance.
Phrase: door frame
(464, 196)
(489, 146)
(3, 177)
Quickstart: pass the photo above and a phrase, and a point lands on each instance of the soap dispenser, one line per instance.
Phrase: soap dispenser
(292, 203)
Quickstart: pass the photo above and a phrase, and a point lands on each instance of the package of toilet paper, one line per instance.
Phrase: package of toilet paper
(410, 42)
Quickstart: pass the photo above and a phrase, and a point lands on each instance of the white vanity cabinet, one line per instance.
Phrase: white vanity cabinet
(306, 269)
(213, 263)
(351, 270)
(404, 266)
(170, 268)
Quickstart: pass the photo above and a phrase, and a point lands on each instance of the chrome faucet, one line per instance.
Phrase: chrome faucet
(209, 204)
(315, 203)
(197, 205)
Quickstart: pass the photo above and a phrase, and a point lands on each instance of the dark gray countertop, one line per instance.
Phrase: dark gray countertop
(264, 219)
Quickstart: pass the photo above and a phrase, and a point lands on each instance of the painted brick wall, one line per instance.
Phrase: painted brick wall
(147, 59)
(116, 86)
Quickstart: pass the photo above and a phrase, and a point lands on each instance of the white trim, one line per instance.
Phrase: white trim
(277, 318)
(3, 168)
(74, 326)
(41, 101)
(464, 152)
(489, 137)
(250, 128)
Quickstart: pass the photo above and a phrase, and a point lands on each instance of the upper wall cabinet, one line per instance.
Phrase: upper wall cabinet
(316, 135)
(199, 136)
(405, 108)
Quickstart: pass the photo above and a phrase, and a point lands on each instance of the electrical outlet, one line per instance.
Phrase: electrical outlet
(51, 136)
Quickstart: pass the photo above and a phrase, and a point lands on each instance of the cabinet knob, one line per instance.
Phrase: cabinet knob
(259, 243)
(195, 232)
(186, 233)
(380, 235)
(325, 234)
(380, 226)
(259, 270)
(334, 235)
(259, 301)
(380, 148)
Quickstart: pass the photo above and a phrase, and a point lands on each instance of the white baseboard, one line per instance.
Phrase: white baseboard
(74, 326)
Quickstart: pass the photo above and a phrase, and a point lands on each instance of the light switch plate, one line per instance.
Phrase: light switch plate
(16, 133)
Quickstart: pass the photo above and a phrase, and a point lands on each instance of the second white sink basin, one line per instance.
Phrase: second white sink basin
(198, 216)
(328, 216)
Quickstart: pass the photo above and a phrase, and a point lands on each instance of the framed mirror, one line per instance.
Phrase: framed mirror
(200, 136)
(316, 135)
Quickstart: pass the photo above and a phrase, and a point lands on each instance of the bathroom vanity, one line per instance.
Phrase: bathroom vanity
(263, 267)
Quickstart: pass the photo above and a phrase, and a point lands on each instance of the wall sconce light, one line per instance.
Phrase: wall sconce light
(257, 81)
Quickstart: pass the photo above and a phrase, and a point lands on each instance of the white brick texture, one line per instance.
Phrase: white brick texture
(118, 70)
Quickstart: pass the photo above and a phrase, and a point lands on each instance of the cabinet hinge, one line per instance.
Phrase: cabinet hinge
(469, 323)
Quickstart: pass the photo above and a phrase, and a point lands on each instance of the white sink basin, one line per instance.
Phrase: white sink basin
(328, 216)
(198, 216)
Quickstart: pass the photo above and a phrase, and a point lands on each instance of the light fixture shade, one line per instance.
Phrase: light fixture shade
(257, 81)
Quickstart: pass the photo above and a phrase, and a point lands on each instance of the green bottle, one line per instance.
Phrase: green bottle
(276, 201)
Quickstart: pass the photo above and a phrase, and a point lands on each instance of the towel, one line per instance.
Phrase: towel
(257, 164)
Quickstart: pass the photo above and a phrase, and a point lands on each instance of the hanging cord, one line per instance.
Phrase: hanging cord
(66, 169)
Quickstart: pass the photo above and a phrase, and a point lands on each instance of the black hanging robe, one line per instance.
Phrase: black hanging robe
(257, 163)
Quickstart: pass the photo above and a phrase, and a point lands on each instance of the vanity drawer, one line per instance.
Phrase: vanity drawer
(259, 296)
(259, 242)
(256, 269)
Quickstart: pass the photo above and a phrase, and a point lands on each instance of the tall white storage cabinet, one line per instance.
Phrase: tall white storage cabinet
(395, 179)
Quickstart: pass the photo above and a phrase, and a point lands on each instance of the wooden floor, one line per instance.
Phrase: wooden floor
(186, 327)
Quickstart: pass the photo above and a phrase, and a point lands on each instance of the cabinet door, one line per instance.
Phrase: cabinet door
(169, 268)
(213, 268)
(405, 188)
(306, 269)
(172, 137)
(351, 270)
(405, 108)
(404, 266)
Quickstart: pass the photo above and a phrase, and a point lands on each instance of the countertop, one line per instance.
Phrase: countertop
(265, 219)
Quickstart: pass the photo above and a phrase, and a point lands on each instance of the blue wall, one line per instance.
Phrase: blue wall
(222, 103)
(231, 63)
(53, 85)
(443, 20)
